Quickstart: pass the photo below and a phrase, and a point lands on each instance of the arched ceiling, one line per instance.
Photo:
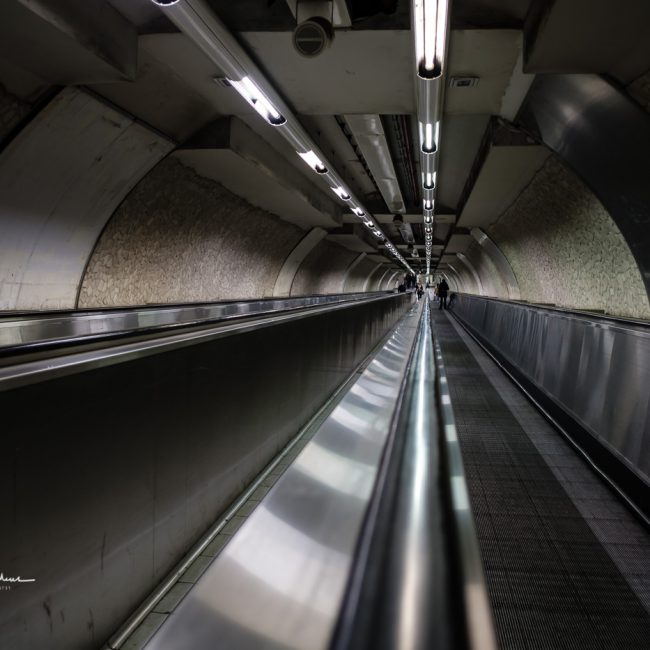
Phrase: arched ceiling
(128, 56)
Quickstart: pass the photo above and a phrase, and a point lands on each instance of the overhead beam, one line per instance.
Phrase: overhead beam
(228, 151)
(69, 43)
(369, 134)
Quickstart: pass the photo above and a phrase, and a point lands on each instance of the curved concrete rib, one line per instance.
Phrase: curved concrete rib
(295, 258)
(61, 179)
(500, 261)
(452, 281)
(470, 267)
(459, 279)
(367, 280)
(571, 112)
(391, 279)
(353, 265)
(382, 278)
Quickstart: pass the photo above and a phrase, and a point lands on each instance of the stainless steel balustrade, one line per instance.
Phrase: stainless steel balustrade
(418, 582)
(367, 540)
(116, 461)
(590, 373)
(32, 328)
(19, 374)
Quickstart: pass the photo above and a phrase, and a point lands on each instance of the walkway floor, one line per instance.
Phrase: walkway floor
(567, 565)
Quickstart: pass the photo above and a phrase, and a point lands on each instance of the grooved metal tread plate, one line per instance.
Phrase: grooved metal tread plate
(552, 585)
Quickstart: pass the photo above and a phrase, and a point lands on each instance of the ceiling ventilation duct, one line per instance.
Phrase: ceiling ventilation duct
(312, 36)
(314, 31)
(197, 21)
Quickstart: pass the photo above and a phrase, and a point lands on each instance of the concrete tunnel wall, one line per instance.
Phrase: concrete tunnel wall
(176, 236)
(563, 247)
(69, 237)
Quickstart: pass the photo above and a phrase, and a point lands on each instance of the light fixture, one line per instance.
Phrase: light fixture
(428, 204)
(430, 26)
(359, 212)
(429, 180)
(256, 98)
(197, 21)
(429, 134)
(428, 219)
(341, 193)
(313, 161)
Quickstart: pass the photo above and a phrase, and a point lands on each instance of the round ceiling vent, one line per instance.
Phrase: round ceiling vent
(312, 36)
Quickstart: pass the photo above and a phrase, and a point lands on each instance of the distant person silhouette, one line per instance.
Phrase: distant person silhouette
(443, 288)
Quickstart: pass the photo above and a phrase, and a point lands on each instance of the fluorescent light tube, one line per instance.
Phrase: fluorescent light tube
(430, 26)
(429, 136)
(313, 161)
(429, 182)
(341, 193)
(255, 97)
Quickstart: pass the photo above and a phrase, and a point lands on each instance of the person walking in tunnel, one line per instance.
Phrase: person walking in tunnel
(443, 288)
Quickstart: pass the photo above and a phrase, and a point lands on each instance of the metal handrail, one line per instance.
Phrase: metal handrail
(35, 331)
(577, 313)
(418, 580)
(74, 361)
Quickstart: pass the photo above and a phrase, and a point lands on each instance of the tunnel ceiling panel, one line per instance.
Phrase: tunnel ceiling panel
(489, 13)
(247, 179)
(589, 36)
(461, 139)
(138, 12)
(352, 242)
(407, 218)
(68, 43)
(490, 55)
(162, 96)
(340, 80)
(329, 136)
(375, 257)
(458, 243)
(507, 170)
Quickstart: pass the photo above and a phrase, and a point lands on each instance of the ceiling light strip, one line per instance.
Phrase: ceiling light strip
(198, 22)
(430, 24)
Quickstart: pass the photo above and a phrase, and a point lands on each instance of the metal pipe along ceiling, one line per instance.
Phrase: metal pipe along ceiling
(369, 135)
(197, 21)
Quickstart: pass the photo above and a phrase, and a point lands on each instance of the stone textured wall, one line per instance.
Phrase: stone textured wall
(322, 270)
(178, 237)
(565, 249)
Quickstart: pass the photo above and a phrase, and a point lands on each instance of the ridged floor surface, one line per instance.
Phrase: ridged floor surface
(552, 583)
